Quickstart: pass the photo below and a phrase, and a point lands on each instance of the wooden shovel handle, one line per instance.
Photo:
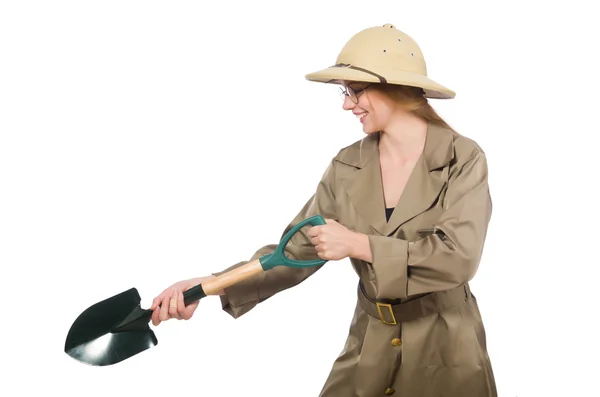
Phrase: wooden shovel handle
(214, 286)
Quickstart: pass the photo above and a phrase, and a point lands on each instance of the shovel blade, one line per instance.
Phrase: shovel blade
(96, 339)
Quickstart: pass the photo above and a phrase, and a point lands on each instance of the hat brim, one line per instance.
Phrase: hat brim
(337, 74)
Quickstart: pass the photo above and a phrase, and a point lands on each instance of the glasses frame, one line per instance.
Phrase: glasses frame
(351, 93)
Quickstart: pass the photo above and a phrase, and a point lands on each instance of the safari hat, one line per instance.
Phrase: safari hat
(382, 54)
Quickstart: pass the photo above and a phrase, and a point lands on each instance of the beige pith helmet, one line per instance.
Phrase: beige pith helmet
(382, 54)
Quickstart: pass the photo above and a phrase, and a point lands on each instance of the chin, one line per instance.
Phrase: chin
(369, 131)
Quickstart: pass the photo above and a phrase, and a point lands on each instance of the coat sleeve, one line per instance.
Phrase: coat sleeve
(449, 254)
(245, 295)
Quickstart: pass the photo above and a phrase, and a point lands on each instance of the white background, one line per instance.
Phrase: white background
(145, 142)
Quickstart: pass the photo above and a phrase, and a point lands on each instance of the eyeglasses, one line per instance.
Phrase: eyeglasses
(352, 93)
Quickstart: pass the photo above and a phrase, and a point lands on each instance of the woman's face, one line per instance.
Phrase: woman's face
(373, 109)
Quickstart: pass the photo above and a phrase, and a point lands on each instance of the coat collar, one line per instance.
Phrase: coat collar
(364, 186)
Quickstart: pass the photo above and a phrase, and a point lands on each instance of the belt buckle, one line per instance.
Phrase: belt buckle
(389, 307)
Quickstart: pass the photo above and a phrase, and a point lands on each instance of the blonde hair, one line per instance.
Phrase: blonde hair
(412, 100)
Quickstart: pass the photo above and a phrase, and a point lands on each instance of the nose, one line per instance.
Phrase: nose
(348, 104)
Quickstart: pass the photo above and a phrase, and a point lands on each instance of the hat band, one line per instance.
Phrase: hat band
(347, 65)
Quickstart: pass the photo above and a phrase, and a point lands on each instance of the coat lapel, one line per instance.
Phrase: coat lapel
(425, 183)
(427, 179)
(364, 186)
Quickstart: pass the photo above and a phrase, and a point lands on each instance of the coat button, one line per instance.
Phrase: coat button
(396, 342)
(389, 391)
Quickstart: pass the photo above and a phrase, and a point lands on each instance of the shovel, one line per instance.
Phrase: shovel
(117, 328)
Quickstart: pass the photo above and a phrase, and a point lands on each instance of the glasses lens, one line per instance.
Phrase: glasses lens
(347, 91)
(352, 95)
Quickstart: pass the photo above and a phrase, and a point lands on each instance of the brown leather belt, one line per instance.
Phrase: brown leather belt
(393, 313)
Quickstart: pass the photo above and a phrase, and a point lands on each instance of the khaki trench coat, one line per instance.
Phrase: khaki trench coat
(417, 330)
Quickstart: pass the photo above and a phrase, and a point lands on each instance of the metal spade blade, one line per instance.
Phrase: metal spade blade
(111, 331)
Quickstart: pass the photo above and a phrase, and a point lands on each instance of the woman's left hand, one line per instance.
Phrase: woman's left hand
(332, 241)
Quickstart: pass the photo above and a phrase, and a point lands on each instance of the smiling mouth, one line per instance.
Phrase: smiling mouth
(361, 116)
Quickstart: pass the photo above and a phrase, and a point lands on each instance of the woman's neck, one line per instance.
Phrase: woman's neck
(403, 140)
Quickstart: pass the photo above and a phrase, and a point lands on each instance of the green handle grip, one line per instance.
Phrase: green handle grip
(278, 258)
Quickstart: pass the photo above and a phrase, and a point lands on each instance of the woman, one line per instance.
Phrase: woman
(409, 205)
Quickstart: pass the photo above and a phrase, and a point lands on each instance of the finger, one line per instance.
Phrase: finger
(181, 309)
(314, 231)
(164, 309)
(173, 309)
(155, 319)
(156, 301)
(185, 312)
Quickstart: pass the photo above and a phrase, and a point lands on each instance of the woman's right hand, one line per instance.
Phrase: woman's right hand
(169, 304)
